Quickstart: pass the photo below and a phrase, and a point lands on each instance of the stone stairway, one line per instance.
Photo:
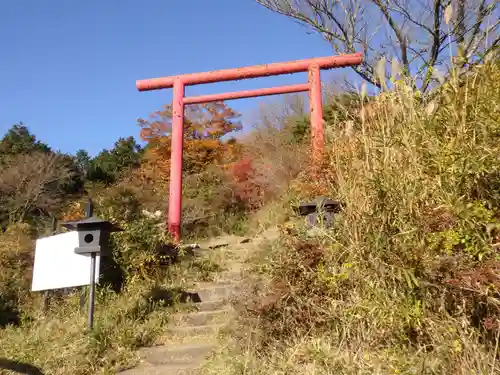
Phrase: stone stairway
(193, 335)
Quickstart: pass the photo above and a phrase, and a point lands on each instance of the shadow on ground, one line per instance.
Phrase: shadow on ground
(163, 297)
(21, 368)
(172, 296)
(9, 313)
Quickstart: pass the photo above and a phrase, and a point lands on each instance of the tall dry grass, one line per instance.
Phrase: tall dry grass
(276, 155)
(408, 280)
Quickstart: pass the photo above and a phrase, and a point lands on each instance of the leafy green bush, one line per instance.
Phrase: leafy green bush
(210, 206)
(138, 250)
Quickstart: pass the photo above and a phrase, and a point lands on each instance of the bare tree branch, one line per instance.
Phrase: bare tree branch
(481, 14)
(436, 44)
(460, 27)
(402, 39)
(31, 183)
(417, 34)
(339, 31)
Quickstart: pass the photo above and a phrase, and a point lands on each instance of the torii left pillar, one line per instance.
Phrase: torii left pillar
(178, 83)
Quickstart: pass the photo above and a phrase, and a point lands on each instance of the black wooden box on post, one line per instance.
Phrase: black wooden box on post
(93, 234)
(321, 210)
(93, 238)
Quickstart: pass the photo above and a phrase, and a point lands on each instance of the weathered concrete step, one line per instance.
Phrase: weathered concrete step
(218, 304)
(225, 241)
(176, 354)
(201, 318)
(211, 292)
(235, 251)
(180, 369)
(231, 276)
(192, 331)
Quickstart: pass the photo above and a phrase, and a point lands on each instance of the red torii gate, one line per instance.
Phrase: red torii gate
(178, 83)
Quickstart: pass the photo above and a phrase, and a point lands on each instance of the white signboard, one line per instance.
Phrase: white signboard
(57, 266)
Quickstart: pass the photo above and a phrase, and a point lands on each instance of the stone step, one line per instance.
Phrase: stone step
(211, 292)
(176, 354)
(202, 318)
(231, 257)
(229, 241)
(231, 276)
(183, 332)
(217, 304)
(223, 246)
(180, 369)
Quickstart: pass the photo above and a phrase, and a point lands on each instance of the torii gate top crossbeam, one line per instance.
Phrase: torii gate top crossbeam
(256, 71)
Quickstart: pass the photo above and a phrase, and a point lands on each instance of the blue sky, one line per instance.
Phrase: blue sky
(68, 68)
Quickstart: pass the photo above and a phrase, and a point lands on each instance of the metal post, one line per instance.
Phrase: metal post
(175, 196)
(316, 113)
(89, 211)
(90, 320)
(92, 234)
(47, 293)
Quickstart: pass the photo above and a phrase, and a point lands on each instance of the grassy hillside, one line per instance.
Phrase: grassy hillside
(408, 279)
(406, 282)
(129, 186)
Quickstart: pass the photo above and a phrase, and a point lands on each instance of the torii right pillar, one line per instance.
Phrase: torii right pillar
(316, 115)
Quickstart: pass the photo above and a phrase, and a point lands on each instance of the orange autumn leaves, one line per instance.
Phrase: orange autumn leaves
(205, 125)
(243, 176)
(201, 122)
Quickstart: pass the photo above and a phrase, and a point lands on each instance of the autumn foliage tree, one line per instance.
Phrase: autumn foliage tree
(204, 127)
(243, 176)
(35, 180)
(208, 154)
(201, 122)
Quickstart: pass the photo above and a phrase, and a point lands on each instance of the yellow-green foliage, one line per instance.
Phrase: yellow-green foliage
(15, 265)
(408, 280)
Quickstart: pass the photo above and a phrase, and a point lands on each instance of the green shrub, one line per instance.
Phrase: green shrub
(138, 249)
